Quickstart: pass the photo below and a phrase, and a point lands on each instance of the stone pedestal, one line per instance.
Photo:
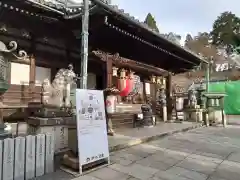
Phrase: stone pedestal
(57, 126)
(73, 140)
(48, 112)
(194, 115)
(217, 117)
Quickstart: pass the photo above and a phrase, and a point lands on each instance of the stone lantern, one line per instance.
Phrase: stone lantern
(5, 56)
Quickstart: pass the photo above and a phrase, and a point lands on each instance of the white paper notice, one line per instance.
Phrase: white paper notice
(91, 126)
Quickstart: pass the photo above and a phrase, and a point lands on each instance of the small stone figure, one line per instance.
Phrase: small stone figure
(192, 99)
(57, 94)
(147, 112)
(163, 102)
(162, 97)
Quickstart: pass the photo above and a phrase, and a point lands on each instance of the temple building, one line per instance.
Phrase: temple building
(123, 53)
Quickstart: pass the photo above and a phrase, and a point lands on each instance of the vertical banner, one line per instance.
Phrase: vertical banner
(91, 126)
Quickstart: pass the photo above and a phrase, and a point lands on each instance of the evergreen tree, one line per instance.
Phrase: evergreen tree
(150, 21)
(201, 44)
(225, 31)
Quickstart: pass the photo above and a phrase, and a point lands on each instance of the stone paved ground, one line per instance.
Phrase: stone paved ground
(202, 154)
(124, 137)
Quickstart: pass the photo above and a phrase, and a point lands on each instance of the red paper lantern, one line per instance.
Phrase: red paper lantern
(126, 89)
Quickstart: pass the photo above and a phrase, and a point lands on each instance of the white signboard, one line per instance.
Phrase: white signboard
(91, 126)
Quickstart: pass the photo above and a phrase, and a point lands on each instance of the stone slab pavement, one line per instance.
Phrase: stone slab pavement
(133, 136)
(211, 153)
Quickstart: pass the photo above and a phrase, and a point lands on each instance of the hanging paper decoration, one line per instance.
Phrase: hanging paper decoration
(125, 91)
(124, 84)
(122, 80)
(131, 80)
(137, 84)
(114, 71)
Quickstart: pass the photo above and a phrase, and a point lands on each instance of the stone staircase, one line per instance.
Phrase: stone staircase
(124, 116)
(180, 115)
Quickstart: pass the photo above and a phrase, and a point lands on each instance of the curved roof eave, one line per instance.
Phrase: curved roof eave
(133, 21)
(60, 8)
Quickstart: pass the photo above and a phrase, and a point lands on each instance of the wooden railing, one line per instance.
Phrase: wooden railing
(21, 95)
(17, 100)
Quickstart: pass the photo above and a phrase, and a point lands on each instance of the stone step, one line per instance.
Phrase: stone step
(121, 108)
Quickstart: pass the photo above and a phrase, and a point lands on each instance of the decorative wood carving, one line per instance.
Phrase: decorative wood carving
(102, 55)
(119, 61)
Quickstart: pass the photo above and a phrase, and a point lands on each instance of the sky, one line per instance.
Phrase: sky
(180, 16)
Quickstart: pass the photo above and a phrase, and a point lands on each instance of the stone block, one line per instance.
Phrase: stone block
(30, 157)
(205, 167)
(49, 157)
(8, 159)
(40, 154)
(108, 174)
(19, 162)
(61, 138)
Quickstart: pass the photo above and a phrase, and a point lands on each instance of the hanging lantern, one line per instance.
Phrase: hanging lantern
(131, 80)
(153, 79)
(122, 80)
(114, 71)
(164, 82)
(123, 83)
(158, 80)
(136, 85)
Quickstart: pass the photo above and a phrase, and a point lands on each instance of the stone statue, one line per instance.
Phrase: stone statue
(192, 99)
(57, 94)
(162, 96)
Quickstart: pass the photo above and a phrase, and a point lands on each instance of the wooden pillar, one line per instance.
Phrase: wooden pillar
(32, 77)
(169, 96)
(144, 89)
(108, 82)
(153, 90)
(109, 65)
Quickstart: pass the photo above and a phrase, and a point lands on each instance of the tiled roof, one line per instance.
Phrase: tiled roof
(75, 6)
(69, 6)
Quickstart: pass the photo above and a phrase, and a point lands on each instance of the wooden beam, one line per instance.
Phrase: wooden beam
(103, 56)
(128, 63)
